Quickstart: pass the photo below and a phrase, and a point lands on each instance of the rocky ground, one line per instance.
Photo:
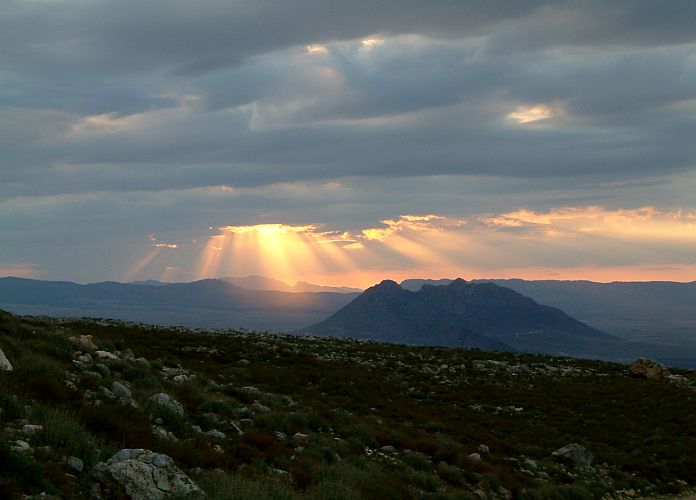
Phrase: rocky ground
(107, 409)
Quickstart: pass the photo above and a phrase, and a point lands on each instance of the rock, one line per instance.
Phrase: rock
(85, 342)
(216, 434)
(300, 438)
(5, 363)
(103, 370)
(75, 464)
(474, 457)
(31, 429)
(121, 390)
(211, 417)
(106, 355)
(95, 375)
(163, 433)
(573, 453)
(143, 475)
(647, 368)
(260, 408)
(142, 362)
(281, 436)
(251, 389)
(106, 392)
(20, 445)
(165, 400)
(85, 358)
(389, 449)
(127, 355)
(231, 425)
(483, 449)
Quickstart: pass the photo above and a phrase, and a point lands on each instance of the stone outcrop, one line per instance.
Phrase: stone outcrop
(143, 475)
(573, 453)
(647, 368)
(168, 402)
(5, 363)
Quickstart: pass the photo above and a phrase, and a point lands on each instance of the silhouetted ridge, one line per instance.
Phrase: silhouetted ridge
(463, 314)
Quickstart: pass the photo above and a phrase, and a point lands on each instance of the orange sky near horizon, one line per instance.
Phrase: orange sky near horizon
(570, 243)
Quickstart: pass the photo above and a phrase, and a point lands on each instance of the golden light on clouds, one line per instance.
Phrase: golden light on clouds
(567, 243)
(317, 49)
(370, 43)
(529, 114)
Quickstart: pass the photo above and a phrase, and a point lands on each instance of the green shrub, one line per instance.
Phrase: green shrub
(62, 431)
(235, 487)
(554, 492)
(18, 471)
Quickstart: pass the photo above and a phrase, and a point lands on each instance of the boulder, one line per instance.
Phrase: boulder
(165, 400)
(85, 342)
(573, 453)
(106, 355)
(300, 438)
(5, 363)
(121, 390)
(31, 429)
(143, 475)
(647, 368)
(75, 463)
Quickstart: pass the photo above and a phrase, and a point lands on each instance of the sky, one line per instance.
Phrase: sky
(347, 142)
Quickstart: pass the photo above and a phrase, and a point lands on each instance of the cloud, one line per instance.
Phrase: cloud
(121, 119)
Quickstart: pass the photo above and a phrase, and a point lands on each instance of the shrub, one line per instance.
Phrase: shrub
(18, 471)
(62, 431)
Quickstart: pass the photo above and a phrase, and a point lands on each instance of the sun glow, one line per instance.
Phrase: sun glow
(588, 242)
(280, 250)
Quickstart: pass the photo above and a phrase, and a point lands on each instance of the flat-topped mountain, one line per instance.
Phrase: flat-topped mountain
(465, 314)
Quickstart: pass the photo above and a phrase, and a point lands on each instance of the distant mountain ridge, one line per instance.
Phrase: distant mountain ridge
(207, 303)
(257, 282)
(465, 314)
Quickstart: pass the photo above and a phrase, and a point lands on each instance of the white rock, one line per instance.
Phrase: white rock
(31, 429)
(5, 363)
(144, 475)
(106, 355)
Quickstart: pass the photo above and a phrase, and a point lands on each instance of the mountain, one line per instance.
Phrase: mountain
(656, 312)
(256, 282)
(149, 282)
(462, 314)
(206, 303)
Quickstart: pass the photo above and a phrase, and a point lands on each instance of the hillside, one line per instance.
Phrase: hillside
(436, 315)
(660, 313)
(242, 415)
(206, 303)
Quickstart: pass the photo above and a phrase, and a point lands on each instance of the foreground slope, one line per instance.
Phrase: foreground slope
(465, 314)
(268, 416)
